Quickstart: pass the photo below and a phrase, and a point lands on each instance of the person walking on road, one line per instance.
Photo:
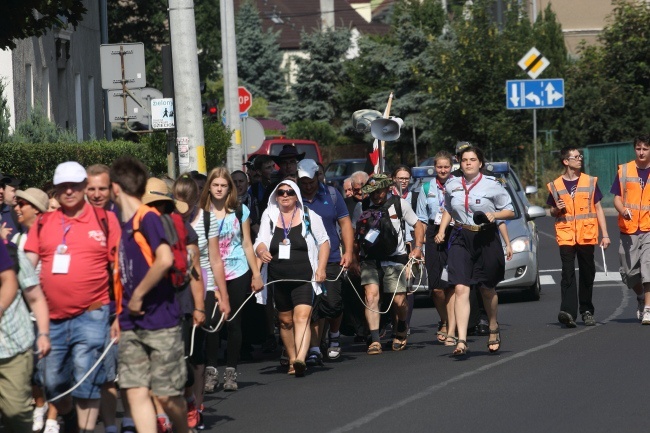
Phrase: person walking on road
(475, 256)
(575, 198)
(632, 202)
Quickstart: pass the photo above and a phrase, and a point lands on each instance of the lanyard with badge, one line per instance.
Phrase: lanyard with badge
(285, 246)
(61, 264)
(441, 202)
(467, 190)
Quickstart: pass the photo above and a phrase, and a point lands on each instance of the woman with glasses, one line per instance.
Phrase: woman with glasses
(475, 257)
(293, 245)
(242, 273)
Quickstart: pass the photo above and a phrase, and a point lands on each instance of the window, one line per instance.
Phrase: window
(78, 107)
(92, 131)
(29, 88)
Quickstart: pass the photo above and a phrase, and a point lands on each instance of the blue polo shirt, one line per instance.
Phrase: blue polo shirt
(5, 217)
(330, 213)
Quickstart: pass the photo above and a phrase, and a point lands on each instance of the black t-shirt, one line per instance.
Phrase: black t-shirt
(298, 266)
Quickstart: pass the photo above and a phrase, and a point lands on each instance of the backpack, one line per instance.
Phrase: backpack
(386, 241)
(175, 232)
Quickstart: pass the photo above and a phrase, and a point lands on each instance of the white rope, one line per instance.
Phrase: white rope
(87, 374)
(409, 263)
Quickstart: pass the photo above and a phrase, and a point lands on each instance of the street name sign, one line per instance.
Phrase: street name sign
(111, 65)
(532, 94)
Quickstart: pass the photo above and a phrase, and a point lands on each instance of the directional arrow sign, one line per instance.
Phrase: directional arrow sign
(530, 94)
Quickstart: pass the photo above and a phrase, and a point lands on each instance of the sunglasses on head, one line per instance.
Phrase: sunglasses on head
(287, 192)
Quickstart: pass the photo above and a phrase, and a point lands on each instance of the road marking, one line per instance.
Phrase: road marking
(430, 390)
(546, 280)
(611, 276)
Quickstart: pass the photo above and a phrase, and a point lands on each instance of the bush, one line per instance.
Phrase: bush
(217, 142)
(35, 163)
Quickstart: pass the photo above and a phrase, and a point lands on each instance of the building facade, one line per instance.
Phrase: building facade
(60, 75)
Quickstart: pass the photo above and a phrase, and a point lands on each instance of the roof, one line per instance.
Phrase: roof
(272, 124)
(291, 17)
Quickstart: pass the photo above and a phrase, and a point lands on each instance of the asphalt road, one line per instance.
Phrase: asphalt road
(545, 378)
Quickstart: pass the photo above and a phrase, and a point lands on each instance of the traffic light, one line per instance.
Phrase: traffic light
(210, 109)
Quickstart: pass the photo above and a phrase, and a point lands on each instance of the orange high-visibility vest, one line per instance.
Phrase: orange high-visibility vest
(635, 199)
(578, 225)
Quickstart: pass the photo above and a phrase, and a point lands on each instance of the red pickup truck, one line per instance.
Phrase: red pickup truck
(273, 146)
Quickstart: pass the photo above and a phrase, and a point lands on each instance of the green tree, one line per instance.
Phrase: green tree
(38, 129)
(399, 62)
(258, 55)
(314, 95)
(321, 132)
(18, 20)
(608, 88)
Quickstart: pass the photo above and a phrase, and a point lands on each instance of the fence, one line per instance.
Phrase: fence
(602, 161)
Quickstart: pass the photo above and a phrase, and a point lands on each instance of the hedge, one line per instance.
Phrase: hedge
(35, 163)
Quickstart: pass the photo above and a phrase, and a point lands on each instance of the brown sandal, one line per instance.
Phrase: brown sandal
(451, 341)
(458, 351)
(442, 336)
(497, 340)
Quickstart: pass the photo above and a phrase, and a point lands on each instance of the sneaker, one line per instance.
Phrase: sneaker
(588, 318)
(38, 419)
(645, 320)
(566, 319)
(483, 327)
(192, 415)
(211, 379)
(314, 358)
(639, 309)
(200, 425)
(230, 379)
(51, 426)
(163, 425)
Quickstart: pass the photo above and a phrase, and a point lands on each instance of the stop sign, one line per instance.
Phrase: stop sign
(245, 99)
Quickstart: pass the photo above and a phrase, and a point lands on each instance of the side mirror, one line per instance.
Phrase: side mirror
(530, 189)
(535, 212)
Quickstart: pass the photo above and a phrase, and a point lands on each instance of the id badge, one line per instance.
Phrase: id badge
(371, 236)
(61, 264)
(438, 219)
(285, 252)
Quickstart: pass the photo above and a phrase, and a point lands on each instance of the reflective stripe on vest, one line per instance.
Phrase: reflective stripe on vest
(579, 224)
(635, 199)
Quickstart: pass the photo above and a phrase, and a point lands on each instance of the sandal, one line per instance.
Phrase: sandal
(374, 348)
(399, 341)
(458, 351)
(442, 336)
(451, 341)
(496, 341)
(291, 371)
(299, 367)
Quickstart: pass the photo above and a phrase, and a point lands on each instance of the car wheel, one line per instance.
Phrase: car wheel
(534, 291)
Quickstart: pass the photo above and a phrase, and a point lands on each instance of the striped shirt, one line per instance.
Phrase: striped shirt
(16, 329)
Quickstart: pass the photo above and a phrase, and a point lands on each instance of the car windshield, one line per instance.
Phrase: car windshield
(335, 170)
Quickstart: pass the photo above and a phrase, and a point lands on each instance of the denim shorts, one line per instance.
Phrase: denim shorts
(77, 344)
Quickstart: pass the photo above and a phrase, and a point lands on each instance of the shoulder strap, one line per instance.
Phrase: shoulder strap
(102, 219)
(414, 199)
(426, 187)
(307, 218)
(139, 237)
(206, 222)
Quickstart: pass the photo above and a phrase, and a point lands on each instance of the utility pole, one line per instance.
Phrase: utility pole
(103, 25)
(230, 84)
(187, 91)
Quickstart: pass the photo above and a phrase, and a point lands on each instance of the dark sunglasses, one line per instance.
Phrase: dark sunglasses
(287, 192)
(22, 203)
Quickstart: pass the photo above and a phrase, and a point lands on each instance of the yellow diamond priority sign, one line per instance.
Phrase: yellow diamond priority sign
(533, 63)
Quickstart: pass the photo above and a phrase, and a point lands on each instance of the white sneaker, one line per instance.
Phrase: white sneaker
(51, 426)
(646, 316)
(39, 418)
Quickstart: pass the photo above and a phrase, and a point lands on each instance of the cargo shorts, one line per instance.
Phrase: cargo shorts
(153, 359)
